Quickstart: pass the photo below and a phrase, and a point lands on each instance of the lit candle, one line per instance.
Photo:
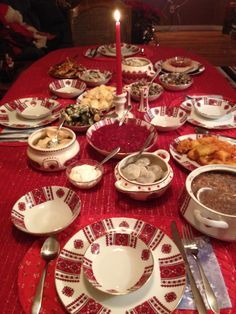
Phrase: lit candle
(118, 54)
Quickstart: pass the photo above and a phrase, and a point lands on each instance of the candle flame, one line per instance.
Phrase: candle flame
(117, 15)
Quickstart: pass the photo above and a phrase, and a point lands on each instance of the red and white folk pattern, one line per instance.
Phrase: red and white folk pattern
(96, 230)
(122, 239)
(145, 276)
(151, 306)
(88, 270)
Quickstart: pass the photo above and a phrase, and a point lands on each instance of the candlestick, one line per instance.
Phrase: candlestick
(118, 54)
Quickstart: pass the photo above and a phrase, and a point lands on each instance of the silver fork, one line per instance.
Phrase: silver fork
(190, 245)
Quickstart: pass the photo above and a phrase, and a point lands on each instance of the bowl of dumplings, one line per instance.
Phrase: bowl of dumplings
(146, 176)
(46, 155)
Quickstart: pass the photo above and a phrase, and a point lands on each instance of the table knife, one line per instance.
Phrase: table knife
(201, 96)
(200, 305)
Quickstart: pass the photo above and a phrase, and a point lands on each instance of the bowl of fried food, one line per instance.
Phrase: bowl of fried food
(195, 150)
(68, 68)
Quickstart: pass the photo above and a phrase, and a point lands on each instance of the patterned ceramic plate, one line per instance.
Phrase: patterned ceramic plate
(161, 294)
(10, 118)
(198, 68)
(183, 159)
(124, 252)
(126, 50)
(45, 211)
(67, 88)
(226, 122)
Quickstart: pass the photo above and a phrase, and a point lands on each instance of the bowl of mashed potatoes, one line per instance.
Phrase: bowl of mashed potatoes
(46, 158)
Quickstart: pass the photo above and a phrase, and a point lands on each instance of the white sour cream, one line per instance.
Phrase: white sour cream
(84, 173)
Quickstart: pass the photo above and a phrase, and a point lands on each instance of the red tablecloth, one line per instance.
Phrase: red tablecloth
(17, 177)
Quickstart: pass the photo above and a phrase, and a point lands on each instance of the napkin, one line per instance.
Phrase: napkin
(213, 272)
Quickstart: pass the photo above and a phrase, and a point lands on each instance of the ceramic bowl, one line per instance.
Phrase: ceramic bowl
(85, 173)
(166, 118)
(218, 224)
(52, 159)
(155, 90)
(95, 77)
(46, 210)
(175, 81)
(213, 108)
(130, 136)
(145, 191)
(136, 68)
(118, 263)
(67, 88)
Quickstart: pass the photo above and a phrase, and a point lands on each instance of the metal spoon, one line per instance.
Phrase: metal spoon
(109, 156)
(55, 140)
(49, 251)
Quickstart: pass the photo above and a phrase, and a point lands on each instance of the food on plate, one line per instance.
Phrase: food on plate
(43, 142)
(95, 76)
(136, 62)
(176, 79)
(77, 115)
(130, 137)
(99, 98)
(154, 88)
(143, 171)
(220, 192)
(66, 69)
(179, 64)
(208, 150)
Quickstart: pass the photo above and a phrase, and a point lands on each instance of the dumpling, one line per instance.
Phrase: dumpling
(131, 172)
(144, 161)
(147, 177)
(157, 171)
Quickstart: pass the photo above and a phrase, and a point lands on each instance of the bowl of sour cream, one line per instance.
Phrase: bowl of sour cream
(85, 173)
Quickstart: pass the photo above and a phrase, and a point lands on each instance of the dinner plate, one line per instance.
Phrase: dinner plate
(126, 50)
(161, 294)
(226, 122)
(198, 68)
(10, 118)
(183, 159)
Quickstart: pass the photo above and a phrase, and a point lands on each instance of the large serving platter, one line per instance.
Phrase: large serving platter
(161, 294)
(126, 50)
(183, 159)
(10, 118)
(226, 122)
(197, 68)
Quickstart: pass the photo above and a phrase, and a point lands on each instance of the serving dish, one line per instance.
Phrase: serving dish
(137, 68)
(53, 158)
(160, 292)
(175, 81)
(68, 68)
(226, 122)
(95, 77)
(213, 108)
(123, 252)
(142, 179)
(166, 118)
(85, 173)
(11, 119)
(130, 136)
(196, 69)
(67, 88)
(218, 224)
(126, 50)
(155, 90)
(190, 164)
(46, 210)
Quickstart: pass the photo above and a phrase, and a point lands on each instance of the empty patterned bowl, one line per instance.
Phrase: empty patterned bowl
(46, 210)
(118, 263)
(67, 88)
(166, 118)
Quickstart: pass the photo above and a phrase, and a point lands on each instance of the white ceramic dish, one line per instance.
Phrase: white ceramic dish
(131, 137)
(136, 93)
(126, 50)
(213, 108)
(30, 108)
(183, 159)
(197, 69)
(160, 293)
(95, 77)
(118, 263)
(85, 173)
(145, 191)
(208, 221)
(55, 158)
(175, 81)
(166, 118)
(226, 122)
(136, 68)
(46, 210)
(67, 88)
(11, 119)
